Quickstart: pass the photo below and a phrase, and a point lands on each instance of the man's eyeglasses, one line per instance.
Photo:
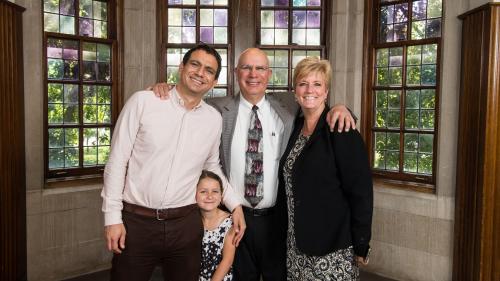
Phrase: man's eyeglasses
(248, 68)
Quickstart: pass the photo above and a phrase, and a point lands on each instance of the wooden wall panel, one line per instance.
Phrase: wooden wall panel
(477, 206)
(12, 149)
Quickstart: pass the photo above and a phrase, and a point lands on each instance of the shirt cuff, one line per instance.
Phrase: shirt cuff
(112, 218)
(231, 203)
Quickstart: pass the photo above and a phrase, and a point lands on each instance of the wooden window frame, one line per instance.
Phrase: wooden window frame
(163, 45)
(115, 35)
(399, 179)
(325, 23)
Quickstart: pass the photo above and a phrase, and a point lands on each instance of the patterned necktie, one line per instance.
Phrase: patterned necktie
(254, 173)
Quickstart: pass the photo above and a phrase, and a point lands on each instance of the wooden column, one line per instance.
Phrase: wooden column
(12, 153)
(477, 206)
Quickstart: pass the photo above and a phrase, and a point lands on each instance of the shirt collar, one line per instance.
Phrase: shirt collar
(178, 99)
(248, 105)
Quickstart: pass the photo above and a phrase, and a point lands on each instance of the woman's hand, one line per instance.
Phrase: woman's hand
(341, 114)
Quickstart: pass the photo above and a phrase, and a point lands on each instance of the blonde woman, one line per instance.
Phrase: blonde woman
(325, 187)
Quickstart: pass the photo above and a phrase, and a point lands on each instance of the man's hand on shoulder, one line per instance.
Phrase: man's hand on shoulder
(115, 237)
(161, 90)
(341, 114)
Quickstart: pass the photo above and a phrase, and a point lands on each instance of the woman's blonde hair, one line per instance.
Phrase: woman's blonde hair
(310, 65)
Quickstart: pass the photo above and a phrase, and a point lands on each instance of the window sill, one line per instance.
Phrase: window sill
(404, 185)
(74, 182)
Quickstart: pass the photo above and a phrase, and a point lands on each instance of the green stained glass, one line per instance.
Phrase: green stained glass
(56, 158)
(299, 3)
(410, 162)
(90, 113)
(89, 94)
(429, 74)
(434, 8)
(86, 9)
(429, 54)
(412, 99)
(103, 155)
(413, 56)
(104, 94)
(413, 75)
(382, 76)
(381, 97)
(394, 98)
(392, 160)
(418, 30)
(427, 119)
(392, 141)
(100, 10)
(89, 51)
(281, 58)
(90, 156)
(55, 93)
(174, 17)
(55, 68)
(70, 113)
(55, 113)
(51, 22)
(395, 74)
(71, 157)
(104, 136)
(425, 164)
(104, 114)
(411, 142)
(90, 136)
(380, 140)
(428, 99)
(103, 53)
(382, 57)
(67, 25)
(380, 118)
(71, 137)
(393, 117)
(51, 6)
(56, 138)
(411, 118)
(379, 159)
(425, 143)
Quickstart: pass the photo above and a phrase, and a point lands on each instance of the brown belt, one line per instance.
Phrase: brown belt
(159, 214)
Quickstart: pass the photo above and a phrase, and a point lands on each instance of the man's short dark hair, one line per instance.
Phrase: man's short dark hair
(209, 50)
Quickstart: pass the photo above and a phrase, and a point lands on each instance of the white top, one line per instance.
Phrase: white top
(158, 150)
(272, 130)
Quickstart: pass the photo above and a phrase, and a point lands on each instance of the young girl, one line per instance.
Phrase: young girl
(217, 249)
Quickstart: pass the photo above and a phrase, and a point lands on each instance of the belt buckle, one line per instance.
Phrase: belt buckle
(158, 212)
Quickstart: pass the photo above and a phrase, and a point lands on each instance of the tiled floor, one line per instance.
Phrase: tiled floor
(157, 276)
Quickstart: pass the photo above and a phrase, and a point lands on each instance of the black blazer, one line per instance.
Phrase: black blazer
(333, 191)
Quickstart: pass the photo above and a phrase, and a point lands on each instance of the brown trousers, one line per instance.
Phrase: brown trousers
(174, 244)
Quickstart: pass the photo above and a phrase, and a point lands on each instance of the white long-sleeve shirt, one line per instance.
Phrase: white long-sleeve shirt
(158, 151)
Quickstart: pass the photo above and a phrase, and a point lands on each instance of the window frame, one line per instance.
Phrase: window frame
(163, 45)
(115, 33)
(325, 25)
(398, 179)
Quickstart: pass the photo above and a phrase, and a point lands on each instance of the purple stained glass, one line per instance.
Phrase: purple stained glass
(54, 52)
(281, 2)
(207, 34)
(313, 18)
(387, 14)
(220, 17)
(299, 18)
(419, 9)
(188, 35)
(188, 17)
(401, 13)
(67, 7)
(281, 19)
(387, 34)
(70, 54)
(267, 3)
(86, 27)
(400, 32)
(433, 28)
(174, 2)
(314, 2)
